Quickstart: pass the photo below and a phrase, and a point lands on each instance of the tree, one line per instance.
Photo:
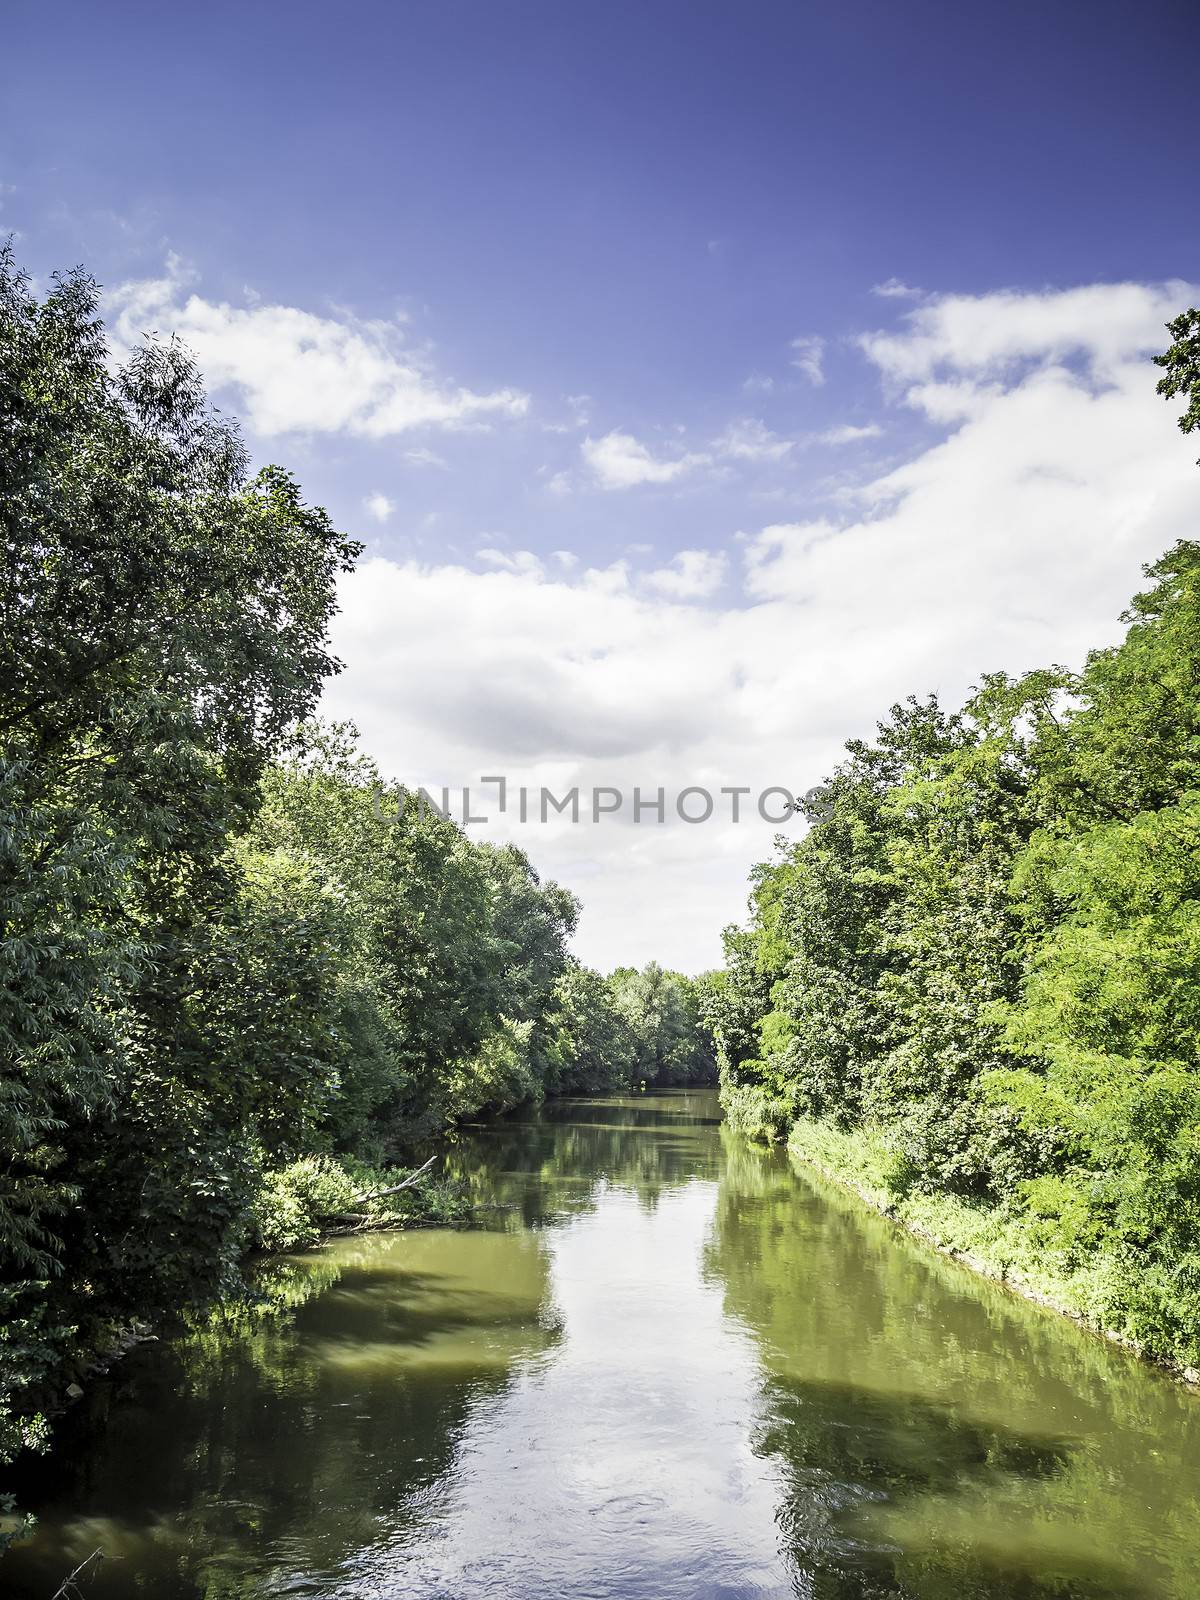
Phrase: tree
(164, 626)
(590, 1046)
(660, 1009)
(981, 961)
(1182, 364)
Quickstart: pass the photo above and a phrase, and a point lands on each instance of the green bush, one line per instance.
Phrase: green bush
(757, 1114)
(295, 1205)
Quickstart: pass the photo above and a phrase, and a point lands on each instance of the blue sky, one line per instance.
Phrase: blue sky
(574, 313)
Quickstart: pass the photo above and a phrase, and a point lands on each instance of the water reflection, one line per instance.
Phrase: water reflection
(940, 1437)
(665, 1365)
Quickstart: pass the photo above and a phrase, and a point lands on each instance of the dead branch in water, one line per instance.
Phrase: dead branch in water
(68, 1589)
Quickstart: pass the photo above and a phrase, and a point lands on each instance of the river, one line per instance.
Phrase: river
(665, 1364)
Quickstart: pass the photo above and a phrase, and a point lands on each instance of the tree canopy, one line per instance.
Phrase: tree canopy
(228, 951)
(983, 957)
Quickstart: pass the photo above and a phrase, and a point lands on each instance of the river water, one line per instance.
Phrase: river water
(666, 1364)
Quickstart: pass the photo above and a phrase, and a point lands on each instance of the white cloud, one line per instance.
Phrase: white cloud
(691, 575)
(379, 506)
(1013, 540)
(848, 433)
(578, 405)
(523, 562)
(619, 461)
(986, 335)
(809, 355)
(422, 456)
(895, 289)
(296, 372)
(751, 440)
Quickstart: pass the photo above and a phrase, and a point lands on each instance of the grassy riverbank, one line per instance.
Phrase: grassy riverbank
(994, 1240)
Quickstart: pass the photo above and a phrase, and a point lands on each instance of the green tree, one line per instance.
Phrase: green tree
(590, 1045)
(1182, 363)
(982, 960)
(164, 626)
(662, 1013)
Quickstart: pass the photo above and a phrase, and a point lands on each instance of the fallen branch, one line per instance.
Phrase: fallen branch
(378, 1194)
(68, 1589)
(385, 1224)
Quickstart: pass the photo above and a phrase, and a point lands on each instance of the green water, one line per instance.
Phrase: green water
(667, 1365)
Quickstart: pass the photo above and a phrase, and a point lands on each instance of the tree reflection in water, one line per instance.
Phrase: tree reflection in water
(665, 1364)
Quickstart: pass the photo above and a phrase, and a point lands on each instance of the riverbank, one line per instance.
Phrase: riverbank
(321, 1197)
(296, 1208)
(994, 1243)
(664, 1364)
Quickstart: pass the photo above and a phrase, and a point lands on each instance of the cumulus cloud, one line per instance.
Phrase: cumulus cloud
(523, 562)
(752, 440)
(294, 371)
(379, 507)
(619, 461)
(986, 335)
(808, 354)
(1013, 540)
(895, 289)
(691, 575)
(848, 433)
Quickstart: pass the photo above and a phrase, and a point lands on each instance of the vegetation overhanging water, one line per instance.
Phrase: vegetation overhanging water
(666, 1363)
(241, 981)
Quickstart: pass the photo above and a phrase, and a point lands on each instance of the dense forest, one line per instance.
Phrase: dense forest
(973, 987)
(239, 974)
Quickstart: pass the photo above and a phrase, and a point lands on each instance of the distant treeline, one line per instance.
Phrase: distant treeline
(973, 987)
(225, 954)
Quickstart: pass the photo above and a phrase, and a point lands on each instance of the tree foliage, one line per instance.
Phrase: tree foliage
(1181, 361)
(233, 963)
(985, 952)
